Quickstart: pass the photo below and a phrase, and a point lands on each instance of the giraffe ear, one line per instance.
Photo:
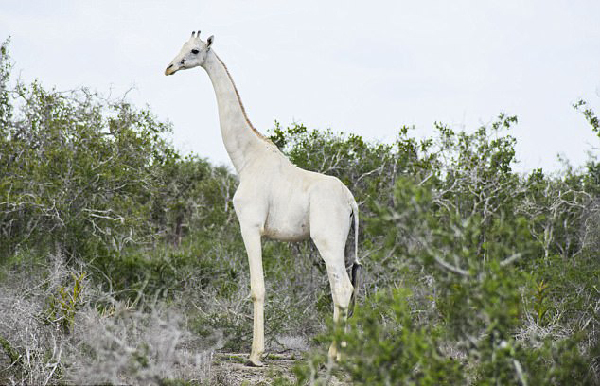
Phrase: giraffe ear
(210, 41)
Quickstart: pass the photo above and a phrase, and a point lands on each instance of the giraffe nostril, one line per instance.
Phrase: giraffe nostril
(170, 65)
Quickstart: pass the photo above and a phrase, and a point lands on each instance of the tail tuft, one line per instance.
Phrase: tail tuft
(357, 266)
(356, 272)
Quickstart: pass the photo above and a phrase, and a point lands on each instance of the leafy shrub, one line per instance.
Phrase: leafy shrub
(385, 346)
(63, 306)
(473, 273)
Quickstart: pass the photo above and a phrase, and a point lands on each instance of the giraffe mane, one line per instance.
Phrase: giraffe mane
(258, 133)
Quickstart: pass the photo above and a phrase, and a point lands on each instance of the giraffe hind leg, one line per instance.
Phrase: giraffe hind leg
(341, 287)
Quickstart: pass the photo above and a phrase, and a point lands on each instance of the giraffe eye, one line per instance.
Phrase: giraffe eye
(195, 51)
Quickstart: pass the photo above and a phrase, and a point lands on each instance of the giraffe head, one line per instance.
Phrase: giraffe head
(192, 54)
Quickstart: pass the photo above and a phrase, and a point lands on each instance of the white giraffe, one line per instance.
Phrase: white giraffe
(275, 198)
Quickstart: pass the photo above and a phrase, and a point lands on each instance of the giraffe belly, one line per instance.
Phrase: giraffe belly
(287, 228)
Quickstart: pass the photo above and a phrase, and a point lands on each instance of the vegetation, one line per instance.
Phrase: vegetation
(121, 259)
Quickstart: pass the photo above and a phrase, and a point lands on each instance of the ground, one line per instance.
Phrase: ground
(229, 369)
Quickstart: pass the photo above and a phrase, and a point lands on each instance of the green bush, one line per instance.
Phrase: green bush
(384, 346)
(473, 273)
(62, 307)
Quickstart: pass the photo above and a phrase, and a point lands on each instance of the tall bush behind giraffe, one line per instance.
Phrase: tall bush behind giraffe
(470, 266)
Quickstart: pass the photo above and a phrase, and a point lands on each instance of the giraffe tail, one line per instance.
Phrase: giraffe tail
(357, 266)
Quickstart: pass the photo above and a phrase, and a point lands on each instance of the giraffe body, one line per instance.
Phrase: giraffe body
(275, 198)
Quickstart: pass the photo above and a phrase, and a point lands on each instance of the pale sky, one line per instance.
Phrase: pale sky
(362, 67)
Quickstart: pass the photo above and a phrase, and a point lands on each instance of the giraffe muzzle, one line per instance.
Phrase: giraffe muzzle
(170, 69)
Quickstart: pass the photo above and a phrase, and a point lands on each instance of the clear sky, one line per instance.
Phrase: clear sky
(362, 67)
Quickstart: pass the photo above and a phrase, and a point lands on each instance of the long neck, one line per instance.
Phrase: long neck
(239, 136)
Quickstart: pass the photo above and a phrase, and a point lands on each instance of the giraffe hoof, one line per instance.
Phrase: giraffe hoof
(254, 363)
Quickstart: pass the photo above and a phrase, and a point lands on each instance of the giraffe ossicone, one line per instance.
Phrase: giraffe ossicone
(275, 198)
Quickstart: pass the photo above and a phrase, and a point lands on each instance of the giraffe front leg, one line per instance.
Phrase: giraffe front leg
(251, 238)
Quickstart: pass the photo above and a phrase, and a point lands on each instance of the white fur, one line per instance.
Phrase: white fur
(275, 198)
